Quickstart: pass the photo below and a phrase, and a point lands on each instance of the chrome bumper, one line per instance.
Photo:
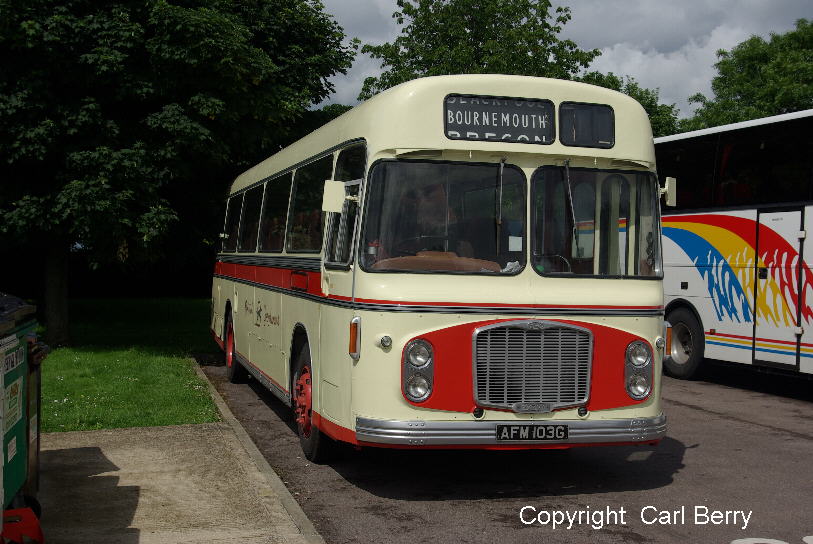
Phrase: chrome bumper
(483, 433)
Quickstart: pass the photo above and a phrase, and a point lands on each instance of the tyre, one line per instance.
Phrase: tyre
(687, 346)
(234, 370)
(317, 446)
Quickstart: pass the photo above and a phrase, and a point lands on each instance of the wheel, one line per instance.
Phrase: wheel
(234, 370)
(688, 344)
(317, 446)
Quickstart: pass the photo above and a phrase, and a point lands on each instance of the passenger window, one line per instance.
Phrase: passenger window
(250, 222)
(275, 209)
(306, 218)
(349, 168)
(232, 223)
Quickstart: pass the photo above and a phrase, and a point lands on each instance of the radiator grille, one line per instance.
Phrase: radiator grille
(532, 362)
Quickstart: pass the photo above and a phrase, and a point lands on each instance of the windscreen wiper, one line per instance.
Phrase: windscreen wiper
(572, 210)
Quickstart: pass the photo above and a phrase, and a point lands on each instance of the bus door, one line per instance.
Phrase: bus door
(776, 323)
(337, 284)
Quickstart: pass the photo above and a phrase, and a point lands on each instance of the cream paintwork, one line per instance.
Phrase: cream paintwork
(408, 121)
(377, 375)
(410, 117)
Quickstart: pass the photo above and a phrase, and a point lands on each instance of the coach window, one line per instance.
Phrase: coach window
(306, 217)
(250, 222)
(275, 208)
(232, 222)
(341, 226)
(586, 125)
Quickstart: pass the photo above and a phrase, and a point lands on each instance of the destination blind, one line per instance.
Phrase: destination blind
(522, 120)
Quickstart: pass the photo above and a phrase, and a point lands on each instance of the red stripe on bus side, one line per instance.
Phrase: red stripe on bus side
(757, 339)
(334, 431)
(282, 279)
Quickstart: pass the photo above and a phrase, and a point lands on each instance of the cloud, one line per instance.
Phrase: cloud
(370, 21)
(677, 74)
(673, 46)
(663, 44)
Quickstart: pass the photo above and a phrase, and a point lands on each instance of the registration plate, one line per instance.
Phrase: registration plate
(531, 432)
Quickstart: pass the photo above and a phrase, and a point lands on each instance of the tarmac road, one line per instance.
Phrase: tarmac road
(738, 441)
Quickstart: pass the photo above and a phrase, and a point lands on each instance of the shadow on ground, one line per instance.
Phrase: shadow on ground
(438, 475)
(792, 386)
(79, 493)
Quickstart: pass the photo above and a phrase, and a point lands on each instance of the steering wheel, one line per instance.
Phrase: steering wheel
(421, 243)
(551, 256)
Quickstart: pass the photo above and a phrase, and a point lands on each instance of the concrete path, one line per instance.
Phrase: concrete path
(182, 484)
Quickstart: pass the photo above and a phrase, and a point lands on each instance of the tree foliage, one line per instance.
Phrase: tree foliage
(112, 112)
(663, 117)
(759, 78)
(440, 37)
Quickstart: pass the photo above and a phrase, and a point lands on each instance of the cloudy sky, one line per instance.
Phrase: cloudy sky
(665, 44)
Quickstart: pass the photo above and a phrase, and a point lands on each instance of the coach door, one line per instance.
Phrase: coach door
(337, 284)
(776, 324)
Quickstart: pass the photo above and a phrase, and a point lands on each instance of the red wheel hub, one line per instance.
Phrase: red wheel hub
(302, 398)
(229, 346)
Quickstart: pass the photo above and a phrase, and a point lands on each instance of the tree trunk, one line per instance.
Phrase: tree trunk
(56, 294)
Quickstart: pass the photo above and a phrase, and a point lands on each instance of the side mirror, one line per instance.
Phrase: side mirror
(333, 197)
(669, 190)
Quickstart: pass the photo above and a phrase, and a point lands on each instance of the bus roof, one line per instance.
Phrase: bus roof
(409, 117)
(735, 126)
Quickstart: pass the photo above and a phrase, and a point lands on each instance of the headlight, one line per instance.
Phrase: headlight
(639, 354)
(417, 388)
(638, 386)
(638, 370)
(417, 370)
(419, 353)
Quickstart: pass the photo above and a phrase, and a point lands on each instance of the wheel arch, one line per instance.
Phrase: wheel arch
(299, 339)
(683, 303)
(226, 317)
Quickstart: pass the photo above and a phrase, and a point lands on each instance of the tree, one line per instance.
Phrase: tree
(474, 36)
(111, 113)
(663, 117)
(759, 78)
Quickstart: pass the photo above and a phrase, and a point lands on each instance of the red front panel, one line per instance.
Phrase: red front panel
(453, 388)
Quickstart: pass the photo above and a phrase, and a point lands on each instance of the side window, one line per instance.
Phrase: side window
(349, 168)
(275, 209)
(305, 218)
(251, 220)
(235, 206)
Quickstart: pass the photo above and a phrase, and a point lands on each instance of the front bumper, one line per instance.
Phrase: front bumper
(483, 433)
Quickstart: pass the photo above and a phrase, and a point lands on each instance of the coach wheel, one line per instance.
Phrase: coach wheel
(234, 370)
(687, 347)
(316, 446)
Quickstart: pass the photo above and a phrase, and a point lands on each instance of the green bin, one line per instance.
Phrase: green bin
(21, 355)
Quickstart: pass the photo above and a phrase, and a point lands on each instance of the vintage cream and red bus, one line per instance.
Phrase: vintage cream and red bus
(736, 248)
(459, 262)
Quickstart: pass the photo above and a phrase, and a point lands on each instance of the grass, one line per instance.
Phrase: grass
(129, 365)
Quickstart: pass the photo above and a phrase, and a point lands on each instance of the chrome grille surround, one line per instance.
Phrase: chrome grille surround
(531, 366)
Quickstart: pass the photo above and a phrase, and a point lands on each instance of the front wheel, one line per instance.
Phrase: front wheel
(687, 347)
(317, 446)
(234, 370)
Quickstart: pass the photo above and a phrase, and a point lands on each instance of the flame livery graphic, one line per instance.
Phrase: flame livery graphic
(723, 250)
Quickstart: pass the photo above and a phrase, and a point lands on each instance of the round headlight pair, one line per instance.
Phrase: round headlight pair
(418, 370)
(638, 375)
